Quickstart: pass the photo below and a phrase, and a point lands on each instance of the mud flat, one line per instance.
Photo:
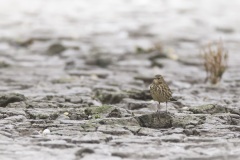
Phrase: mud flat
(76, 86)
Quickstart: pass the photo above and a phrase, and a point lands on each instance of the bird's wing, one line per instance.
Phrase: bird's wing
(151, 89)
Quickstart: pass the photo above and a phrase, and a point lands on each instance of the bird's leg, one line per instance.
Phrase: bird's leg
(166, 107)
(158, 110)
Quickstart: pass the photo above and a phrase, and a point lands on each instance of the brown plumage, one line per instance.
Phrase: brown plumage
(160, 91)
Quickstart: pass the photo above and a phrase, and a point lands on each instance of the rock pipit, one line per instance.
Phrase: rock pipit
(160, 91)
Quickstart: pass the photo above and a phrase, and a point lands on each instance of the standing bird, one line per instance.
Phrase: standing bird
(160, 91)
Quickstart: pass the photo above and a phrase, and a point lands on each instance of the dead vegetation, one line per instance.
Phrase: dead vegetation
(215, 61)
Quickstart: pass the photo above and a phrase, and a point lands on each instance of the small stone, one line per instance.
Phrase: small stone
(115, 113)
(55, 48)
(185, 108)
(89, 117)
(75, 100)
(35, 133)
(66, 113)
(46, 132)
(96, 103)
(10, 126)
(173, 56)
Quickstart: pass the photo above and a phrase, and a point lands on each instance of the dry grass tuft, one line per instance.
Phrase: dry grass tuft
(215, 61)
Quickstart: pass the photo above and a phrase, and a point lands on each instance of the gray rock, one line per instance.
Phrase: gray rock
(143, 131)
(76, 99)
(133, 104)
(56, 144)
(173, 138)
(4, 64)
(55, 48)
(101, 60)
(155, 120)
(122, 155)
(209, 109)
(108, 97)
(42, 114)
(167, 120)
(15, 110)
(18, 118)
(183, 120)
(140, 94)
(11, 98)
(98, 110)
(63, 117)
(126, 121)
(82, 152)
(119, 112)
(93, 137)
(113, 130)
